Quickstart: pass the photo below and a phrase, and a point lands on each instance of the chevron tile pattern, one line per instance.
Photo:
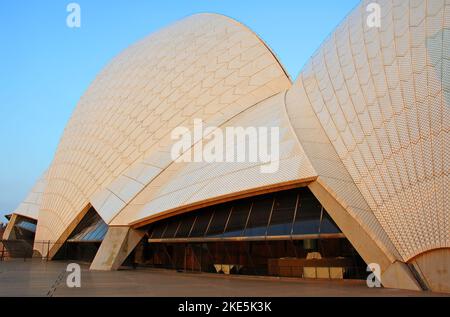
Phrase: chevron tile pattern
(184, 184)
(381, 96)
(118, 139)
(368, 118)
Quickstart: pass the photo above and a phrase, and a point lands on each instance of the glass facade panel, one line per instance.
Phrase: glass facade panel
(283, 214)
(293, 212)
(186, 226)
(259, 217)
(172, 228)
(158, 230)
(99, 233)
(202, 222)
(219, 221)
(328, 226)
(91, 228)
(82, 235)
(238, 219)
(29, 225)
(308, 216)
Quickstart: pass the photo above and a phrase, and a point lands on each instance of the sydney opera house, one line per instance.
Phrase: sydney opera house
(363, 175)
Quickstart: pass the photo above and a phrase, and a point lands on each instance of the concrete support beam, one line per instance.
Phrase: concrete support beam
(395, 274)
(9, 233)
(54, 246)
(434, 269)
(398, 275)
(117, 245)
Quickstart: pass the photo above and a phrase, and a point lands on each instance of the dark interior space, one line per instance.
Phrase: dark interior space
(287, 233)
(85, 240)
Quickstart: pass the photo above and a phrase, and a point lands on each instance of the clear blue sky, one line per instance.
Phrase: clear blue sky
(45, 66)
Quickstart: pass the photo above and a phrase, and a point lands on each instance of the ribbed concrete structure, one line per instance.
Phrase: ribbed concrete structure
(365, 127)
(382, 101)
(371, 109)
(119, 137)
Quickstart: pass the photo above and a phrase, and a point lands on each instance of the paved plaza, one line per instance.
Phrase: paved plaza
(45, 279)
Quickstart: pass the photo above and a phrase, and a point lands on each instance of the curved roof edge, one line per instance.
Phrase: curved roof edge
(251, 31)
